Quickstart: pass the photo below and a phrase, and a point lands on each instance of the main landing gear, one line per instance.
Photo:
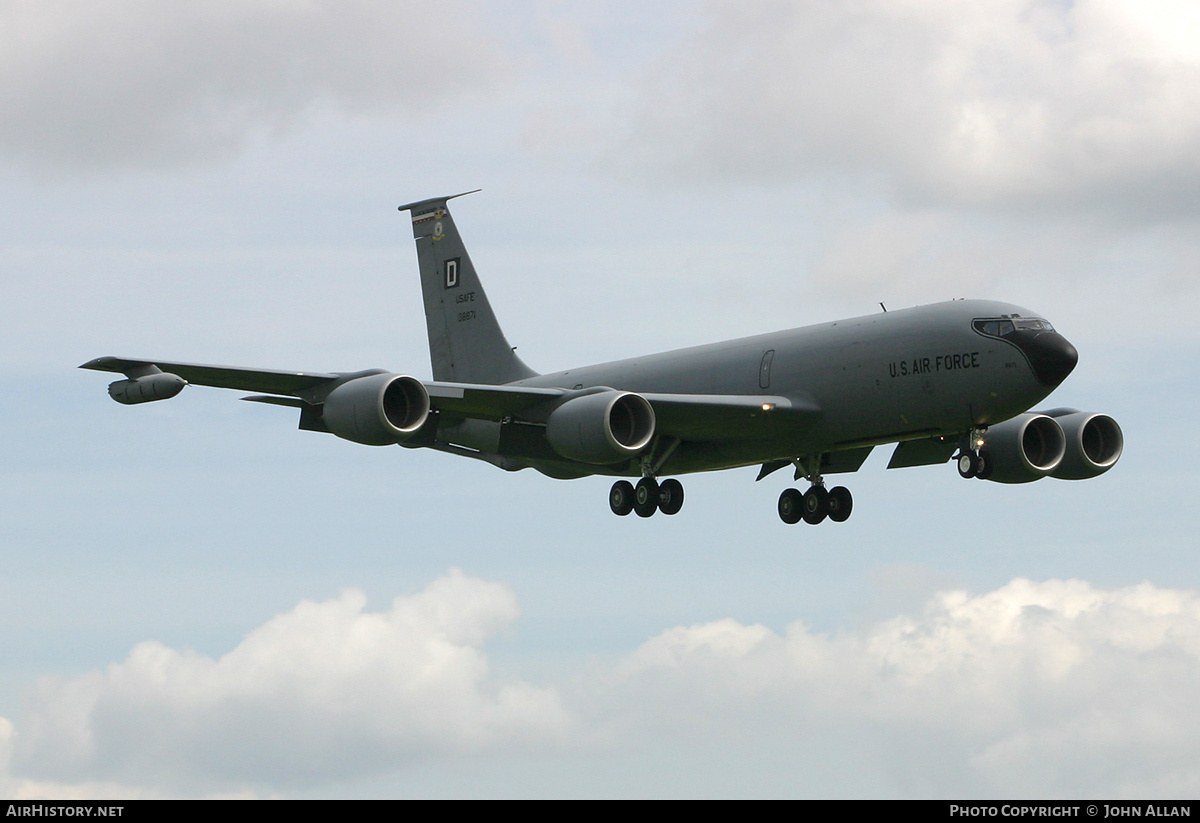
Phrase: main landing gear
(816, 504)
(647, 497)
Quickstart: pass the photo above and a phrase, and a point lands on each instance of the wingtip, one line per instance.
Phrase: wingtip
(98, 364)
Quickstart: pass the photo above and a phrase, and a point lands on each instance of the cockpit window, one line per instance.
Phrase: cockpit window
(1004, 326)
(995, 328)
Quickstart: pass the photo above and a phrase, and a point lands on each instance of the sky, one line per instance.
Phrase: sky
(199, 600)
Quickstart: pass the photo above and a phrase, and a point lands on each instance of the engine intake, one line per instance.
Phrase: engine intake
(1094, 444)
(1026, 448)
(605, 427)
(379, 410)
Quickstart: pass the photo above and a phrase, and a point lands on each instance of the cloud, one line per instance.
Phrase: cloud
(1000, 103)
(140, 83)
(1054, 688)
(323, 691)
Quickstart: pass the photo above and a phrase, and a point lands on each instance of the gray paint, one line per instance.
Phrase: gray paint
(474, 351)
(845, 369)
(819, 395)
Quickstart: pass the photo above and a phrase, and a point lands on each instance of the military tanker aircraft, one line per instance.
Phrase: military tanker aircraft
(952, 380)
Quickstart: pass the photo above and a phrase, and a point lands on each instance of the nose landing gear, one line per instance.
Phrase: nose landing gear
(973, 459)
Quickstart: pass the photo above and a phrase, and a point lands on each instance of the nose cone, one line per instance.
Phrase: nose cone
(1050, 354)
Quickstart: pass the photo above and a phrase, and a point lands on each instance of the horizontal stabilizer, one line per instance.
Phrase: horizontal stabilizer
(434, 201)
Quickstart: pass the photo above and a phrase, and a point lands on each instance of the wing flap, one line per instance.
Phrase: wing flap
(480, 402)
(728, 416)
(926, 452)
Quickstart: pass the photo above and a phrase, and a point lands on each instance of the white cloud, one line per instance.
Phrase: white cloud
(1051, 688)
(326, 690)
(1056, 688)
(140, 83)
(1000, 102)
(25, 789)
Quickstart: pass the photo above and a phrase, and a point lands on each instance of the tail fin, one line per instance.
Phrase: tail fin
(466, 344)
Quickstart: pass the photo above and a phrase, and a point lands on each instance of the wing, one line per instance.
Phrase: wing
(293, 388)
(376, 407)
(687, 416)
(225, 377)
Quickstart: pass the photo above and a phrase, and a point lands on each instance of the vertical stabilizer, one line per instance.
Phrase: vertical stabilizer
(466, 344)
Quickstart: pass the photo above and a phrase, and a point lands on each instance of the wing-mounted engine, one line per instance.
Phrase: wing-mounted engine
(1094, 443)
(1028, 447)
(604, 427)
(378, 410)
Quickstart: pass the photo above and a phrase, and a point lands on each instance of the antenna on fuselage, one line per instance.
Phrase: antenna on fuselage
(883, 307)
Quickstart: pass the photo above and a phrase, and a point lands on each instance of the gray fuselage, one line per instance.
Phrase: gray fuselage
(881, 378)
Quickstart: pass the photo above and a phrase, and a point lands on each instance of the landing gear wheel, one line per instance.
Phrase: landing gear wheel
(620, 497)
(985, 465)
(670, 496)
(840, 504)
(968, 465)
(645, 497)
(815, 505)
(790, 506)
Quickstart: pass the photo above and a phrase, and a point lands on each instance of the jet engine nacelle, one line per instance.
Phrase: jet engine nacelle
(1094, 444)
(1025, 448)
(147, 388)
(379, 410)
(605, 427)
